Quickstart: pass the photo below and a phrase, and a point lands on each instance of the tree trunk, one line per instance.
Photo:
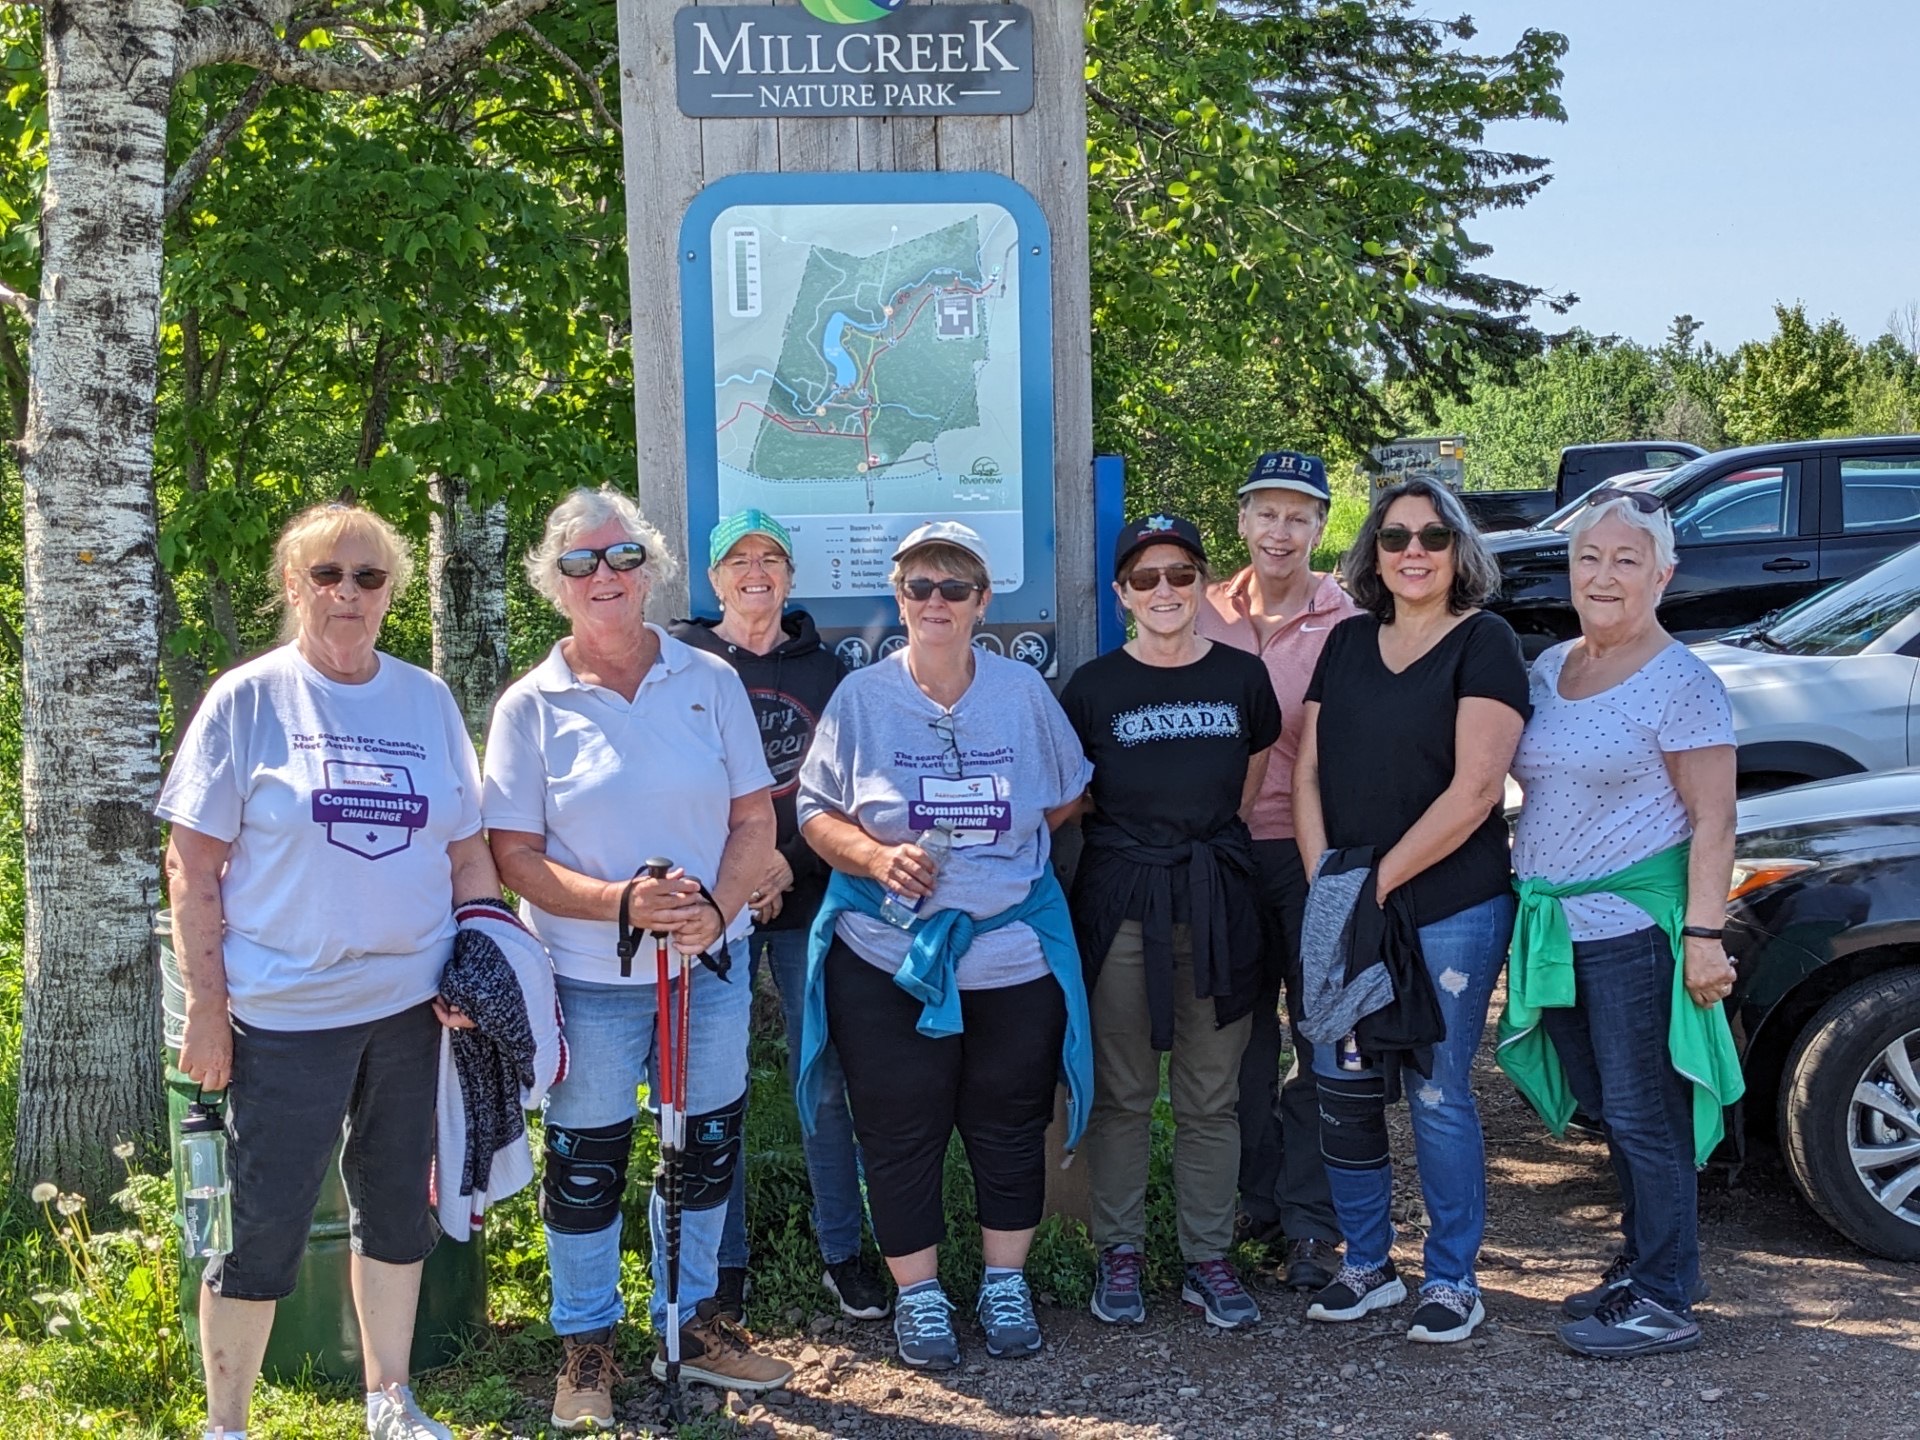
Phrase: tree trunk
(90, 1048)
(467, 567)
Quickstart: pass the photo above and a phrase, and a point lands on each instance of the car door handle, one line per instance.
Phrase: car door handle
(1786, 562)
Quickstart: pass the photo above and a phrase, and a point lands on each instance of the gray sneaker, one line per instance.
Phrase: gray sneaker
(1613, 1283)
(1630, 1325)
(1213, 1288)
(1005, 1310)
(395, 1417)
(923, 1329)
(1116, 1287)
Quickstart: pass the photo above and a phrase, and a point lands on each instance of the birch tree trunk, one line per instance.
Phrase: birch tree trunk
(467, 567)
(90, 1051)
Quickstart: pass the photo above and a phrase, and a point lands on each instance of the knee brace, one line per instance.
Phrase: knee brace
(1353, 1123)
(586, 1174)
(712, 1155)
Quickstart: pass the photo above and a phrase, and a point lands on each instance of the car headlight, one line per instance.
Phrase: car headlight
(1752, 875)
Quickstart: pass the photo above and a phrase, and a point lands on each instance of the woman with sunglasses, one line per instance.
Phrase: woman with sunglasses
(943, 971)
(622, 745)
(1412, 716)
(1625, 852)
(325, 813)
(1166, 907)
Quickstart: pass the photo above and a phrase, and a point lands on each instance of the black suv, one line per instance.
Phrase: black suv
(1756, 528)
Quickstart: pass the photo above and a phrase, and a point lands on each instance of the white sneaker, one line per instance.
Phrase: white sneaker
(392, 1415)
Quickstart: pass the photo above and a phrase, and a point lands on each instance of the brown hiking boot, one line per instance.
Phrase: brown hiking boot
(583, 1395)
(715, 1351)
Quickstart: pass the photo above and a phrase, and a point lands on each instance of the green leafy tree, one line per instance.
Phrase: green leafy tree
(1793, 386)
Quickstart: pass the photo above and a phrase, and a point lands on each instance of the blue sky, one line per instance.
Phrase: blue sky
(1718, 155)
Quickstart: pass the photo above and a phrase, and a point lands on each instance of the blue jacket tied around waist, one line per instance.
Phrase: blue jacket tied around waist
(939, 940)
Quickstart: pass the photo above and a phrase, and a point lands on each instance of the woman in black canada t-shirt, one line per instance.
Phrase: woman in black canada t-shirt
(1412, 719)
(1167, 916)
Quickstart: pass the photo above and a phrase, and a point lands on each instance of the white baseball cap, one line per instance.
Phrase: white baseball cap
(946, 532)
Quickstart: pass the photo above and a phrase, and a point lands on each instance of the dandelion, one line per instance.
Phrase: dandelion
(44, 1192)
(124, 1150)
(70, 1204)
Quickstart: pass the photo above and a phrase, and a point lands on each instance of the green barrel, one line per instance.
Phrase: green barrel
(314, 1329)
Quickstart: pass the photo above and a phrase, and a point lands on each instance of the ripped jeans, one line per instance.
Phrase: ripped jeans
(1464, 953)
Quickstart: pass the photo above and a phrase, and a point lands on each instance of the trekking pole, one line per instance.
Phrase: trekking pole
(670, 1079)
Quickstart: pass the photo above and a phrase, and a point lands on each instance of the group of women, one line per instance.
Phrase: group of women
(883, 841)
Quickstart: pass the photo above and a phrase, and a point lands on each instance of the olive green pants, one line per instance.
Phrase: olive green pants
(1203, 1082)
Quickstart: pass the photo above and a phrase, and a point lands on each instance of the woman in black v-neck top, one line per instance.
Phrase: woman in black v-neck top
(1412, 718)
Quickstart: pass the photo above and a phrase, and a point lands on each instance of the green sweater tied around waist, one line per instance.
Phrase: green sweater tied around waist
(1540, 975)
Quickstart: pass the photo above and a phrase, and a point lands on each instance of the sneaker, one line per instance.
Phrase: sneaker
(862, 1294)
(1213, 1288)
(1357, 1291)
(923, 1329)
(1613, 1282)
(394, 1416)
(1630, 1325)
(719, 1352)
(583, 1395)
(730, 1293)
(1005, 1312)
(1116, 1287)
(1311, 1264)
(1446, 1314)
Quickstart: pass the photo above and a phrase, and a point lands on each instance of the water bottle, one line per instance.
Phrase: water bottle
(903, 910)
(206, 1194)
(1347, 1054)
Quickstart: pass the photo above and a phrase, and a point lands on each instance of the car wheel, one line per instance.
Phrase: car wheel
(1850, 1114)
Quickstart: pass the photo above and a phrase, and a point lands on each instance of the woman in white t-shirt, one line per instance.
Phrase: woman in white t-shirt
(325, 805)
(626, 744)
(1624, 850)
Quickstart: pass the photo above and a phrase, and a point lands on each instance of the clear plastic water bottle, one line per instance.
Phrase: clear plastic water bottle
(903, 910)
(206, 1193)
(1347, 1054)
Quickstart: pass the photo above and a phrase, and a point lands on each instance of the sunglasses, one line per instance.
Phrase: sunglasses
(952, 591)
(1396, 538)
(367, 577)
(1147, 577)
(626, 555)
(1645, 501)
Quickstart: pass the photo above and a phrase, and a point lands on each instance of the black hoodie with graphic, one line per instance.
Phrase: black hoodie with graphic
(789, 687)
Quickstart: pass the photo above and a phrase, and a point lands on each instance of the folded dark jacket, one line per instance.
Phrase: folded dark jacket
(1362, 969)
(1121, 879)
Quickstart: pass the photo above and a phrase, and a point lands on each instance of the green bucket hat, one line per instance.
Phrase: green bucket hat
(734, 528)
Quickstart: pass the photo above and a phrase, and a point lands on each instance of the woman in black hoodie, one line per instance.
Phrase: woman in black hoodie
(788, 674)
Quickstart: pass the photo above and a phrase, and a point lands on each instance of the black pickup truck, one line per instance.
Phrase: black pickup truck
(1581, 468)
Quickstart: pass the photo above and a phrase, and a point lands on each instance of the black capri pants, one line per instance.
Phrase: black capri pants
(995, 1082)
(290, 1091)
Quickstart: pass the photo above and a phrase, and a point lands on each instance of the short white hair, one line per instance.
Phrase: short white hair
(1656, 524)
(584, 510)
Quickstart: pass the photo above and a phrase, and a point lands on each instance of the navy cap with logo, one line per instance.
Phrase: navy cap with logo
(1159, 529)
(1289, 470)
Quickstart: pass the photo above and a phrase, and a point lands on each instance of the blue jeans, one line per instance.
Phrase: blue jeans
(610, 1054)
(1464, 953)
(833, 1169)
(1612, 1043)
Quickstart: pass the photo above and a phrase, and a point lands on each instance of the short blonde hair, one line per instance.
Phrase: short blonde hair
(937, 554)
(311, 534)
(585, 510)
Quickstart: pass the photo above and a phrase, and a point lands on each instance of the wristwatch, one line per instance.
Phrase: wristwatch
(1702, 932)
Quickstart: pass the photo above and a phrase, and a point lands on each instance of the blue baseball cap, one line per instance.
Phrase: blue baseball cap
(1289, 470)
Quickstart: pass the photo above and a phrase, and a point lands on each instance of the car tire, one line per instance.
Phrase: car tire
(1826, 1124)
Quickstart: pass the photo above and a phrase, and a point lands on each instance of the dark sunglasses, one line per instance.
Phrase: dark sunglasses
(1148, 577)
(1645, 501)
(952, 591)
(367, 577)
(626, 555)
(1396, 538)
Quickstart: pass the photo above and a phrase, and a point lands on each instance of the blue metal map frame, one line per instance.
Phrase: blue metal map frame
(868, 621)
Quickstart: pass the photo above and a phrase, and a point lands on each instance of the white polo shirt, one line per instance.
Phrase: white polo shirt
(611, 783)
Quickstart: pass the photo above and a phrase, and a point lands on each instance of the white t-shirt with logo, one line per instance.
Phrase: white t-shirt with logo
(612, 783)
(1598, 795)
(339, 802)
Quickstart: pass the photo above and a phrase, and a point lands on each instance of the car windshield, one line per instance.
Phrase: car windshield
(1847, 618)
(1663, 483)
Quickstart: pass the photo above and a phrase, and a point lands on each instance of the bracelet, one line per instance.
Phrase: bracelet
(1702, 932)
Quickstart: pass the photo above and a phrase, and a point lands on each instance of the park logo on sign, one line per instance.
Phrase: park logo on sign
(853, 57)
